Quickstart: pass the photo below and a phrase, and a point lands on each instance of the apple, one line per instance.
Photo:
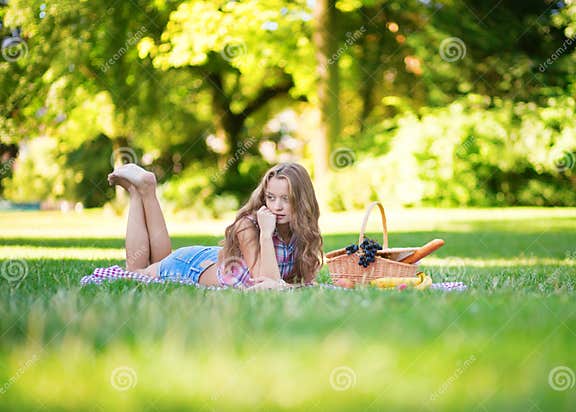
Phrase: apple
(345, 283)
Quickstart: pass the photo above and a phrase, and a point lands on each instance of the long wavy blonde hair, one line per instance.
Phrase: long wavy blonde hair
(303, 223)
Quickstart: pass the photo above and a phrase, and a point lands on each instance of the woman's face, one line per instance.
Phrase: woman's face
(278, 199)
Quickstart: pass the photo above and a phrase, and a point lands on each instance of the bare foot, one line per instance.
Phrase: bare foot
(114, 179)
(142, 180)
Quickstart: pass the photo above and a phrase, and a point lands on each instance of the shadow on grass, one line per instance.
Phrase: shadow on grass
(99, 243)
(555, 244)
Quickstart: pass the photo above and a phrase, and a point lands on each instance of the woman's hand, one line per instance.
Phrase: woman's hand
(268, 283)
(266, 220)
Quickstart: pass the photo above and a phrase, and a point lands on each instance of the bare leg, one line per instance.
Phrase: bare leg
(160, 244)
(145, 184)
(137, 242)
(137, 239)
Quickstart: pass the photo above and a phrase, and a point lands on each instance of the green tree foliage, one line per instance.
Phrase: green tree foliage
(244, 55)
(440, 102)
(82, 78)
(456, 104)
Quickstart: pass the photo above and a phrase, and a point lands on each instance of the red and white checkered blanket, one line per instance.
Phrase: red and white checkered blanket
(116, 272)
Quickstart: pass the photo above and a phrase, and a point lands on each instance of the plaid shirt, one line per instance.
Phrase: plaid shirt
(234, 271)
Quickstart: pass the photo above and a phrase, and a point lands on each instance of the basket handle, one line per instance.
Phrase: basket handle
(365, 221)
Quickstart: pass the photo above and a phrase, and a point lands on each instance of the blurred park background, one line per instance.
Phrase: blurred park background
(415, 103)
(451, 113)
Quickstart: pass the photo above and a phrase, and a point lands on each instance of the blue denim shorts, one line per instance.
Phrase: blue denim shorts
(188, 262)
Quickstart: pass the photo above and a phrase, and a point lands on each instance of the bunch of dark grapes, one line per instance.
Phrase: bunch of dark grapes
(368, 248)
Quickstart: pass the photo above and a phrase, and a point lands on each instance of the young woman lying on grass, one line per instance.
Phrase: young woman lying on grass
(274, 242)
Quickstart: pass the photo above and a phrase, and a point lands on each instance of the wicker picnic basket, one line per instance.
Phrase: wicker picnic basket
(344, 266)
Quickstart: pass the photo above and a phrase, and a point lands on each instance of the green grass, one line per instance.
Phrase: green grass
(493, 347)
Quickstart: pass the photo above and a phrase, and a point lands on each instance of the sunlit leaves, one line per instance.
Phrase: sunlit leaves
(252, 37)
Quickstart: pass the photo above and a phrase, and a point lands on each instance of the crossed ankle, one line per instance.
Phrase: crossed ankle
(147, 184)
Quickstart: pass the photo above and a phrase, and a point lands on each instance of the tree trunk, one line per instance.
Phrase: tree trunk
(372, 49)
(229, 125)
(233, 158)
(325, 41)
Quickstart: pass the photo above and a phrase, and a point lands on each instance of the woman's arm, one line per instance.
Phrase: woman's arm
(265, 264)
(268, 262)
